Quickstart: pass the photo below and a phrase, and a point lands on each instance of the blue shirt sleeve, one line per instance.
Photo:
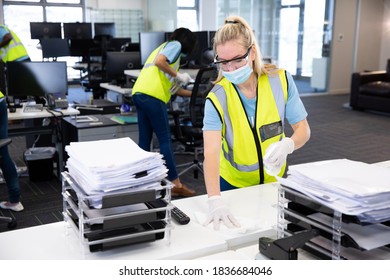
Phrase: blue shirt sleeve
(171, 50)
(3, 31)
(211, 120)
(295, 110)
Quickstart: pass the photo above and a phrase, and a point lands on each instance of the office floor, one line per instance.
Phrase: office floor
(337, 132)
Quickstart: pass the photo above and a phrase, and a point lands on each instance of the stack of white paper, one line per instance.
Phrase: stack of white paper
(351, 187)
(110, 165)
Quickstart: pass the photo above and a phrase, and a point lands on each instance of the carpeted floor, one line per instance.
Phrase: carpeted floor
(337, 132)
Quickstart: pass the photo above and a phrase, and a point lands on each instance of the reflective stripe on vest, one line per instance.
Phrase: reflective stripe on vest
(150, 72)
(14, 50)
(275, 83)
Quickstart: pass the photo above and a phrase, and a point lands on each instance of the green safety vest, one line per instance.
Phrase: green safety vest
(14, 50)
(154, 82)
(243, 147)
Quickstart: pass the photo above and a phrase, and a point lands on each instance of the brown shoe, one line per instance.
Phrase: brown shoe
(182, 191)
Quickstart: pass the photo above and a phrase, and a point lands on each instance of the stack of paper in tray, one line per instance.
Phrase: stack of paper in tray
(110, 165)
(351, 187)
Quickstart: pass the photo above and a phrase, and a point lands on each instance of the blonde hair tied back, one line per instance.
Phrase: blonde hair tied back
(236, 28)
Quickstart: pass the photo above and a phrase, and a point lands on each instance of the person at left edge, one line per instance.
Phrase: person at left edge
(151, 93)
(7, 165)
(11, 47)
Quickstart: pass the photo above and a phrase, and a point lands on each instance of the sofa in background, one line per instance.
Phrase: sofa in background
(371, 90)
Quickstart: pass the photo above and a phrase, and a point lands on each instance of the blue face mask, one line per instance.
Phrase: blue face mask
(239, 75)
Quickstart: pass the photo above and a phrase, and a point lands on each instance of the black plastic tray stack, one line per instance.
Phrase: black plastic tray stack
(126, 217)
(333, 243)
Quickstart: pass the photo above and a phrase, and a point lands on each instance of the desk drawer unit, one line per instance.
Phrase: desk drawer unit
(108, 132)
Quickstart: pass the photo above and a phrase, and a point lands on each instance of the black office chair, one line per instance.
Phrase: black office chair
(188, 128)
(11, 221)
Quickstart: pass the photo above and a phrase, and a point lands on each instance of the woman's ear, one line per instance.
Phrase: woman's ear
(253, 52)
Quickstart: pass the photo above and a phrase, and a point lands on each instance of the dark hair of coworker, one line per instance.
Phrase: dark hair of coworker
(187, 39)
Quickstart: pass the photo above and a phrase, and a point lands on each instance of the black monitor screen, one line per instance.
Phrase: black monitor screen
(148, 42)
(41, 30)
(37, 78)
(81, 47)
(118, 62)
(202, 45)
(54, 47)
(104, 28)
(211, 38)
(77, 30)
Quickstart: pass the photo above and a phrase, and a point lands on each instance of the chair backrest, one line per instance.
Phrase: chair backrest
(203, 84)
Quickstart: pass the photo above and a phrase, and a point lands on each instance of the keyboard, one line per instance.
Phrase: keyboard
(33, 108)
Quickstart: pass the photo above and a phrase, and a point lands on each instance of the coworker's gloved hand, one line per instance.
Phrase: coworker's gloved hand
(183, 78)
(219, 212)
(276, 155)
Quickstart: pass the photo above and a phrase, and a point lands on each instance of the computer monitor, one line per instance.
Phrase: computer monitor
(119, 44)
(148, 42)
(104, 28)
(37, 79)
(54, 47)
(81, 47)
(202, 45)
(41, 30)
(78, 30)
(211, 38)
(118, 62)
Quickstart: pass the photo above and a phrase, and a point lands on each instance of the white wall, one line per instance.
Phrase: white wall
(369, 35)
(342, 46)
(208, 15)
(364, 43)
(385, 43)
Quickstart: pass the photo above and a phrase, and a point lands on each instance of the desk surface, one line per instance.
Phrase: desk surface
(187, 242)
(135, 72)
(20, 115)
(254, 207)
(124, 91)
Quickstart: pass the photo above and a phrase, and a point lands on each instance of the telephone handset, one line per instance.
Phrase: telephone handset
(54, 103)
(50, 101)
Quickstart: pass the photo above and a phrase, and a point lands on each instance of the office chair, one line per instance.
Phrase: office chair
(11, 221)
(188, 128)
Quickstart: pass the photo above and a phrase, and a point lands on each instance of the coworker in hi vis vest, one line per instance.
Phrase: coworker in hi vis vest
(11, 48)
(158, 80)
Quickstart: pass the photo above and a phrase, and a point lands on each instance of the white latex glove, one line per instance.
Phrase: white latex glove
(183, 78)
(276, 155)
(219, 212)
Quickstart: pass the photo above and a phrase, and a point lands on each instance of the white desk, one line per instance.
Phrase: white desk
(135, 72)
(190, 241)
(20, 115)
(255, 204)
(50, 242)
(118, 89)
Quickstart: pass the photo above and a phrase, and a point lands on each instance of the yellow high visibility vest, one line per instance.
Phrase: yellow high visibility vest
(244, 146)
(154, 82)
(14, 50)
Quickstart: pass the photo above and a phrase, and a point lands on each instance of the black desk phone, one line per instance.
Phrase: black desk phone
(56, 103)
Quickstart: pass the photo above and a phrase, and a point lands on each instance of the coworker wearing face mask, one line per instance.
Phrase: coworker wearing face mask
(245, 114)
